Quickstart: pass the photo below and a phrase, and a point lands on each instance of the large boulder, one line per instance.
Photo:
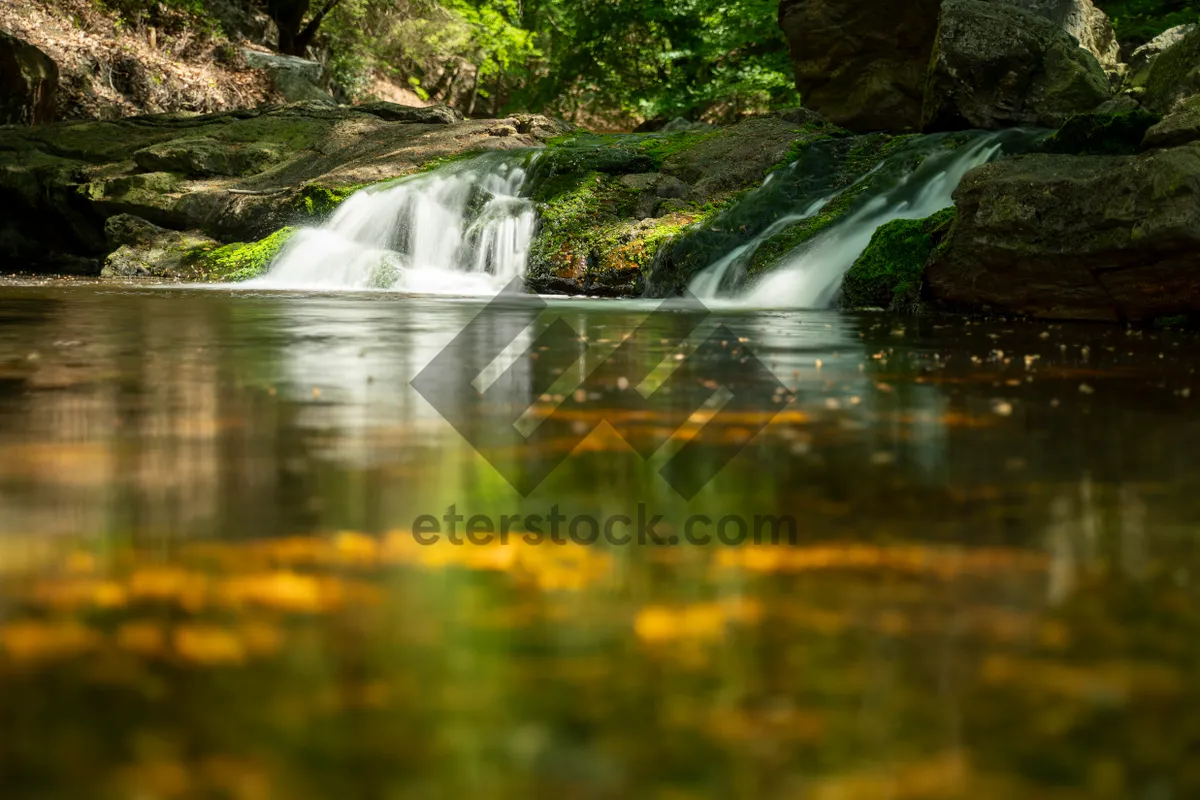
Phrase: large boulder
(995, 65)
(141, 249)
(296, 79)
(28, 83)
(1179, 127)
(1076, 237)
(1141, 59)
(1175, 74)
(1088, 25)
(861, 63)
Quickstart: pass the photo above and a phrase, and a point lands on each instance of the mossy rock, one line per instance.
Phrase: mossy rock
(141, 249)
(1180, 127)
(891, 270)
(317, 201)
(1102, 134)
(204, 157)
(1175, 75)
(240, 261)
(588, 236)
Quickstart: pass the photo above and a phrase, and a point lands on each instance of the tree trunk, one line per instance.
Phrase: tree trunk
(294, 35)
(288, 16)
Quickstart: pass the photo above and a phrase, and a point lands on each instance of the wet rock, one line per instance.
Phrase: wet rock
(996, 66)
(890, 272)
(1143, 58)
(1180, 127)
(861, 63)
(28, 83)
(142, 249)
(1174, 75)
(1076, 237)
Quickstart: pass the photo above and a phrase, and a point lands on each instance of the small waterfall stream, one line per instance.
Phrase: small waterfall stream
(811, 275)
(464, 228)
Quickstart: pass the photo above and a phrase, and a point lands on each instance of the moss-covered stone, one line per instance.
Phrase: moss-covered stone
(240, 261)
(1175, 75)
(998, 66)
(314, 200)
(205, 157)
(1102, 134)
(609, 203)
(589, 236)
(1178, 128)
(890, 271)
(141, 249)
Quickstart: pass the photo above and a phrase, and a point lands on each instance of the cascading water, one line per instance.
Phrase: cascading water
(913, 183)
(465, 228)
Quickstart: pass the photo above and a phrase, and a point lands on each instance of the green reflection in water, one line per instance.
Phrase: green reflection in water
(209, 586)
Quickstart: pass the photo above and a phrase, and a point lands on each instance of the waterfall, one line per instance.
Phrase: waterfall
(913, 183)
(464, 228)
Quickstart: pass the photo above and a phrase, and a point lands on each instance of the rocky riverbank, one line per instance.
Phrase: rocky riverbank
(1102, 222)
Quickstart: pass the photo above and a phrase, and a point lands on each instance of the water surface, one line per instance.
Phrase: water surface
(210, 587)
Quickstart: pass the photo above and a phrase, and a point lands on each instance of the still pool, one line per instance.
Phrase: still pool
(211, 585)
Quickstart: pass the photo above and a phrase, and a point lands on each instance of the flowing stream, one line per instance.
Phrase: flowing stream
(462, 229)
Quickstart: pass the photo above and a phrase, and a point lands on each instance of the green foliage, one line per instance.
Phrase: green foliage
(657, 59)
(1102, 134)
(1139, 21)
(889, 272)
(637, 59)
(598, 61)
(168, 15)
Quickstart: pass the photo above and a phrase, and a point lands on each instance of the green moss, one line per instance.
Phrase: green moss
(1188, 321)
(587, 229)
(1102, 134)
(293, 130)
(315, 200)
(890, 271)
(241, 261)
(450, 158)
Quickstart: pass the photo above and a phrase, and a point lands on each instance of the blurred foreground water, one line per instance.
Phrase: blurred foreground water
(209, 584)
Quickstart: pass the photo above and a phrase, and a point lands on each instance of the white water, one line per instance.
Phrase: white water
(812, 275)
(464, 229)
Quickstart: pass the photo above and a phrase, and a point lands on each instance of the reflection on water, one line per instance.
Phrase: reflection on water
(209, 585)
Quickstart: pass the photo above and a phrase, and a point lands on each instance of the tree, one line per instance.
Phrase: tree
(294, 35)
